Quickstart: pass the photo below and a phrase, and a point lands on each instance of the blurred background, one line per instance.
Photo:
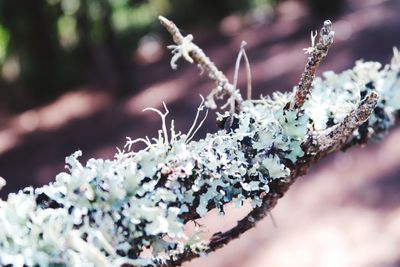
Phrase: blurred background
(75, 74)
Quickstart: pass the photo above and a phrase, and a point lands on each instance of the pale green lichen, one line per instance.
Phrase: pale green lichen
(337, 94)
(106, 212)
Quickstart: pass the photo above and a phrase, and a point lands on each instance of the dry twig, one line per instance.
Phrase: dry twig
(317, 53)
(334, 137)
(194, 54)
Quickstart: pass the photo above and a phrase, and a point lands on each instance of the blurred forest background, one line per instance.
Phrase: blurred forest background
(47, 46)
(76, 74)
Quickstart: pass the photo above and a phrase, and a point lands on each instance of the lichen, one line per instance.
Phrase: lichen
(335, 95)
(107, 212)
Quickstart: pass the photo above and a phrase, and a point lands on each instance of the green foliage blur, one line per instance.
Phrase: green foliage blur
(46, 45)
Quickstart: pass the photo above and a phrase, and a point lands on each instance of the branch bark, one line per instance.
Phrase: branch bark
(110, 211)
(317, 53)
(194, 54)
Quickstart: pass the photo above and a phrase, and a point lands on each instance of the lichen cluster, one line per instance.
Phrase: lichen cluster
(335, 95)
(132, 209)
(109, 211)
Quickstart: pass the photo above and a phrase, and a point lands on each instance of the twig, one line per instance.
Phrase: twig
(242, 53)
(248, 73)
(334, 137)
(194, 54)
(317, 53)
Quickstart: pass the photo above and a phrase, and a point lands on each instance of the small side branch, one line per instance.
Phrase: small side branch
(337, 135)
(242, 53)
(191, 52)
(317, 53)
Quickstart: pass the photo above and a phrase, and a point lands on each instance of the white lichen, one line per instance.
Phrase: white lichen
(181, 50)
(106, 212)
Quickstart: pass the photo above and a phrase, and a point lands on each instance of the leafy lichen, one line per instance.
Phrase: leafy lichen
(107, 212)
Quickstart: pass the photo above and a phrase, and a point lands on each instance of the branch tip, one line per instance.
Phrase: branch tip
(317, 52)
(193, 54)
(335, 137)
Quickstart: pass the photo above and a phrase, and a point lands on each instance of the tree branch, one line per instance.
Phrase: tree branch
(109, 212)
(334, 137)
(317, 53)
(194, 54)
(320, 143)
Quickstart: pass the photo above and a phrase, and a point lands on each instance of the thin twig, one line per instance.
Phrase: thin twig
(317, 53)
(242, 53)
(248, 73)
(334, 137)
(196, 54)
(237, 64)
